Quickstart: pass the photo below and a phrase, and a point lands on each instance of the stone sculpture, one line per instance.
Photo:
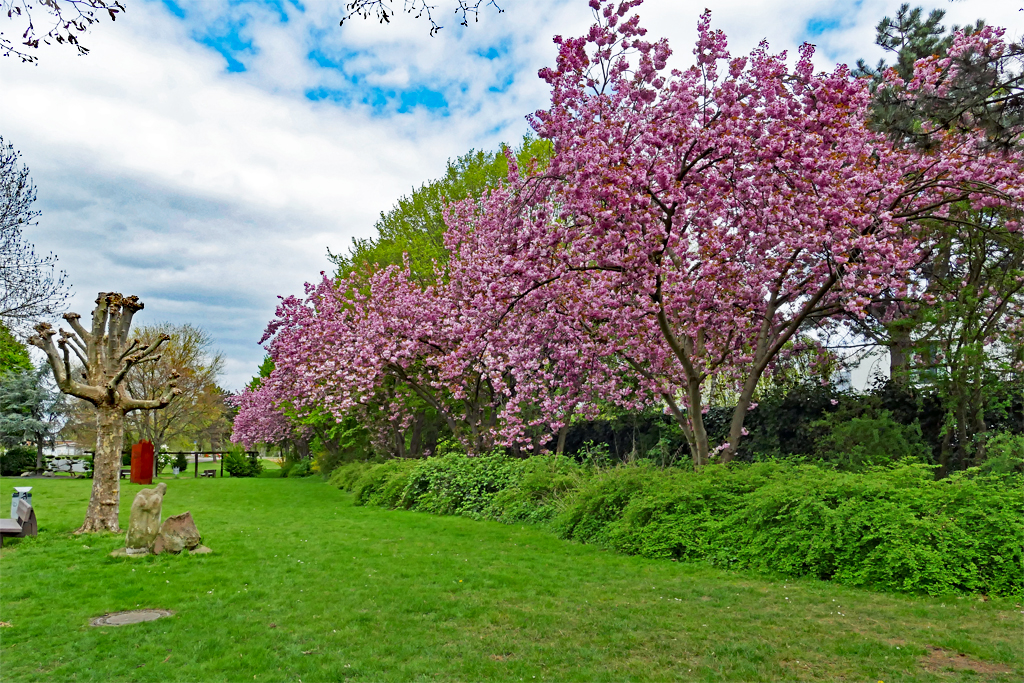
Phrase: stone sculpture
(176, 534)
(144, 521)
(147, 535)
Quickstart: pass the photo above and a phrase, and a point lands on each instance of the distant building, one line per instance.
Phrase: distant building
(63, 449)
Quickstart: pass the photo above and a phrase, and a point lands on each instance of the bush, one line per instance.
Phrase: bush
(238, 464)
(181, 462)
(1004, 454)
(297, 469)
(859, 443)
(895, 528)
(346, 476)
(16, 460)
(494, 486)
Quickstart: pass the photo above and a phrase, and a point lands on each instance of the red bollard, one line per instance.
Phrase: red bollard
(142, 463)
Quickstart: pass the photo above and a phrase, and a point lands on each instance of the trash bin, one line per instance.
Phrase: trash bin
(20, 493)
(142, 463)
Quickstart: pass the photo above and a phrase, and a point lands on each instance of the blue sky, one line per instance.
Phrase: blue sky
(207, 153)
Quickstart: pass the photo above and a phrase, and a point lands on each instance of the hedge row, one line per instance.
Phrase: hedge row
(896, 529)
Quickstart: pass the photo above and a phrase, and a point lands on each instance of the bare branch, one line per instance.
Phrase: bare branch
(383, 11)
(171, 390)
(66, 27)
(73, 320)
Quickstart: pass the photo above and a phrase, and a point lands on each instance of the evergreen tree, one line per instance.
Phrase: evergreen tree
(961, 344)
(31, 409)
(978, 90)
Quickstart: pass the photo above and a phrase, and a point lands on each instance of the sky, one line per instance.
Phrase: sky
(206, 154)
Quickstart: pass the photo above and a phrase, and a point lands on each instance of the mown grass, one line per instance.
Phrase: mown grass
(303, 586)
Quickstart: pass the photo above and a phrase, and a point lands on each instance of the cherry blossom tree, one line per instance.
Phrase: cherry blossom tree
(259, 419)
(690, 226)
(716, 212)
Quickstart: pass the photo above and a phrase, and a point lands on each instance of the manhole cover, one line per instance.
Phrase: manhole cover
(135, 616)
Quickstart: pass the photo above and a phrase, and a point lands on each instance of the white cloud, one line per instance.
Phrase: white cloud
(210, 193)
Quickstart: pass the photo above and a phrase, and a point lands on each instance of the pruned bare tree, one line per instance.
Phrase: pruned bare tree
(32, 287)
(106, 356)
(383, 10)
(59, 21)
(200, 410)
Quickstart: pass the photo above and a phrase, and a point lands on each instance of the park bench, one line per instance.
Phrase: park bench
(209, 473)
(24, 525)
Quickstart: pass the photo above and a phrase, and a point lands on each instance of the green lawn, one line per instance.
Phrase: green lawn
(303, 586)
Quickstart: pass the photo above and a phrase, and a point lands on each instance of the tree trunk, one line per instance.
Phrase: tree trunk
(562, 434)
(106, 483)
(416, 440)
(739, 416)
(700, 434)
(39, 453)
(943, 470)
(900, 347)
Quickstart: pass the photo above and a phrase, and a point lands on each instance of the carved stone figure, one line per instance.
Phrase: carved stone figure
(144, 522)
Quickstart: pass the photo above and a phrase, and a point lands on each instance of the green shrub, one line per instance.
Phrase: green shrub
(859, 443)
(297, 469)
(539, 483)
(456, 484)
(239, 464)
(383, 484)
(1004, 454)
(346, 476)
(181, 462)
(493, 486)
(894, 528)
(16, 460)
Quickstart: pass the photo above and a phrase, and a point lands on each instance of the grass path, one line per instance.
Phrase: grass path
(303, 586)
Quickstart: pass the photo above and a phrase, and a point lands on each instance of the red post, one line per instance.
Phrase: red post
(142, 463)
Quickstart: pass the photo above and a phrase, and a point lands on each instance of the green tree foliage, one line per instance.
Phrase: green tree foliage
(266, 367)
(13, 354)
(910, 36)
(415, 225)
(31, 409)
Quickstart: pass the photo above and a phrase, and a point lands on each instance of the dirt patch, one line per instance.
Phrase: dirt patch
(939, 659)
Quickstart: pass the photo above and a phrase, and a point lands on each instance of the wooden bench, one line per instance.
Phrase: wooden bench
(24, 525)
(124, 473)
(209, 473)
